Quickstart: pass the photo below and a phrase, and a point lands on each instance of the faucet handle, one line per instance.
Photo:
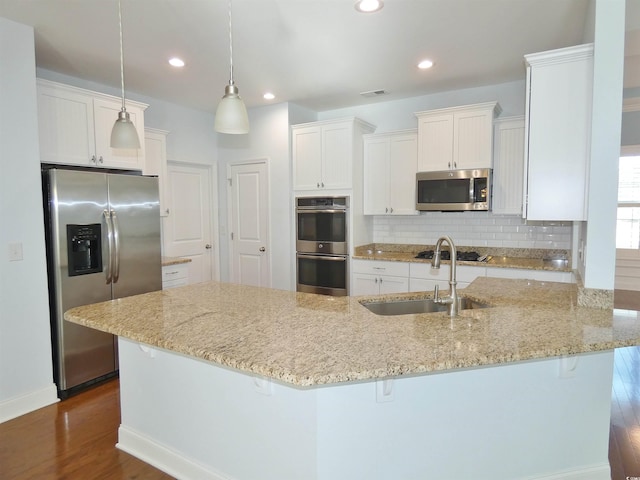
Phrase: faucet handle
(436, 290)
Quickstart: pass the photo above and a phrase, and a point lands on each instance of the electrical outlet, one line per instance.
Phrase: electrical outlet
(15, 251)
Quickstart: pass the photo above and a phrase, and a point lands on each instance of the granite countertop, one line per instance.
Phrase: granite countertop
(305, 339)
(532, 259)
(166, 261)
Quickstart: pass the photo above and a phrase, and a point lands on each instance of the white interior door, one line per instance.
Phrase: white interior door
(249, 214)
(188, 227)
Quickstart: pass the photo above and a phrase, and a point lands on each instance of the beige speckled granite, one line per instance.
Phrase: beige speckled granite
(166, 261)
(533, 259)
(592, 297)
(305, 339)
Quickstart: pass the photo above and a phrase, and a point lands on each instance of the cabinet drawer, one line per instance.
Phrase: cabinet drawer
(174, 272)
(528, 274)
(377, 267)
(464, 273)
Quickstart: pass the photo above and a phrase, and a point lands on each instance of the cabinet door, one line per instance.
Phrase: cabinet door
(508, 166)
(403, 165)
(155, 163)
(307, 157)
(376, 179)
(364, 284)
(559, 133)
(472, 139)
(105, 114)
(337, 155)
(426, 285)
(435, 142)
(393, 284)
(65, 124)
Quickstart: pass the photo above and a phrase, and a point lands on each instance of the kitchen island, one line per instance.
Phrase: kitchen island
(224, 381)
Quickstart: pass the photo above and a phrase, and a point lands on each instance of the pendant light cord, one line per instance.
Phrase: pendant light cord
(230, 49)
(121, 54)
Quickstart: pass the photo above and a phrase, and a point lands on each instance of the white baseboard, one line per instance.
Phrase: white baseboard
(595, 472)
(17, 406)
(164, 458)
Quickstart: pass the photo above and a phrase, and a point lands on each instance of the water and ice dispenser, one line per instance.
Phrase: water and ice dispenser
(84, 249)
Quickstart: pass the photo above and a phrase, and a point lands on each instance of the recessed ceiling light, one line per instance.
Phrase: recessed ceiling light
(368, 6)
(424, 64)
(176, 62)
(268, 96)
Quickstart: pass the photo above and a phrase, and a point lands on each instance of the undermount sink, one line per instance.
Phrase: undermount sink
(407, 307)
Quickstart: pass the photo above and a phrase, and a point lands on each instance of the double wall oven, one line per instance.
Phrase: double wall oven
(322, 245)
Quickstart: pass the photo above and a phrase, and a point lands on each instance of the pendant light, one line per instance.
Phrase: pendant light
(123, 134)
(231, 115)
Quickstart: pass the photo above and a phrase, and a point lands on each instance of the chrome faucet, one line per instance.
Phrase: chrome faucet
(452, 299)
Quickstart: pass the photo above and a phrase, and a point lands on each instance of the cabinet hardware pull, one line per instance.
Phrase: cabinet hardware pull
(100, 159)
(93, 159)
(262, 249)
(391, 209)
(386, 210)
(317, 185)
(322, 183)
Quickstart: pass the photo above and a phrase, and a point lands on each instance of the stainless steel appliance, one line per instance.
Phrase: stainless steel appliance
(103, 242)
(322, 245)
(454, 190)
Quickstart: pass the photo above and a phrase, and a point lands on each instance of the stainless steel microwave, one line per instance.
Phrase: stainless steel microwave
(454, 190)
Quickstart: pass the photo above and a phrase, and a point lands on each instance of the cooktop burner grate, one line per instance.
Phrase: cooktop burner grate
(446, 255)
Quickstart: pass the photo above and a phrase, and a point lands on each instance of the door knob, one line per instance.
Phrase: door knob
(207, 246)
(262, 249)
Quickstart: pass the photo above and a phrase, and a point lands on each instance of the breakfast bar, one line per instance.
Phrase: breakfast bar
(223, 381)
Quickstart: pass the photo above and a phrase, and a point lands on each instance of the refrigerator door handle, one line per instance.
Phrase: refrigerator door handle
(116, 244)
(107, 220)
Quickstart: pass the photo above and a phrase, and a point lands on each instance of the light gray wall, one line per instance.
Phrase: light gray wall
(268, 138)
(400, 114)
(599, 247)
(26, 375)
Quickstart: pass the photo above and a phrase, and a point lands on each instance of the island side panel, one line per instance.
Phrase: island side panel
(220, 424)
(512, 421)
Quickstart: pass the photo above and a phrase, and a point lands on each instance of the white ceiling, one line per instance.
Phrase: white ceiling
(317, 53)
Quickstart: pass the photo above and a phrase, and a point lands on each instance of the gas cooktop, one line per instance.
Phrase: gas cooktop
(446, 255)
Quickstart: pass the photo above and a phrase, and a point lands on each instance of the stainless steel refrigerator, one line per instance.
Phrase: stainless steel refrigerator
(103, 243)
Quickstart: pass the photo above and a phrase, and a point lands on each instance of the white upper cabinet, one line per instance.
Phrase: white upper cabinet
(75, 127)
(323, 153)
(390, 166)
(508, 165)
(558, 127)
(155, 163)
(456, 138)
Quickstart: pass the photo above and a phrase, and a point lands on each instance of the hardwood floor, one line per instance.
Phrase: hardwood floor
(624, 434)
(75, 439)
(70, 440)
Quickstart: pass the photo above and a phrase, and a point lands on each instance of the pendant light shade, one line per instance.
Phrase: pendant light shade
(231, 115)
(123, 134)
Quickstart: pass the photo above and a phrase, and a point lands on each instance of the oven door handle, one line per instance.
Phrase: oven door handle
(332, 258)
(321, 210)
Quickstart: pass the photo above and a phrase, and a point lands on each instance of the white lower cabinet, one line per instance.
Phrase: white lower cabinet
(529, 274)
(424, 278)
(373, 277)
(175, 275)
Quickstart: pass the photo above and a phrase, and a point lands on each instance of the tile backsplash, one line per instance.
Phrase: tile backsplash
(472, 229)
